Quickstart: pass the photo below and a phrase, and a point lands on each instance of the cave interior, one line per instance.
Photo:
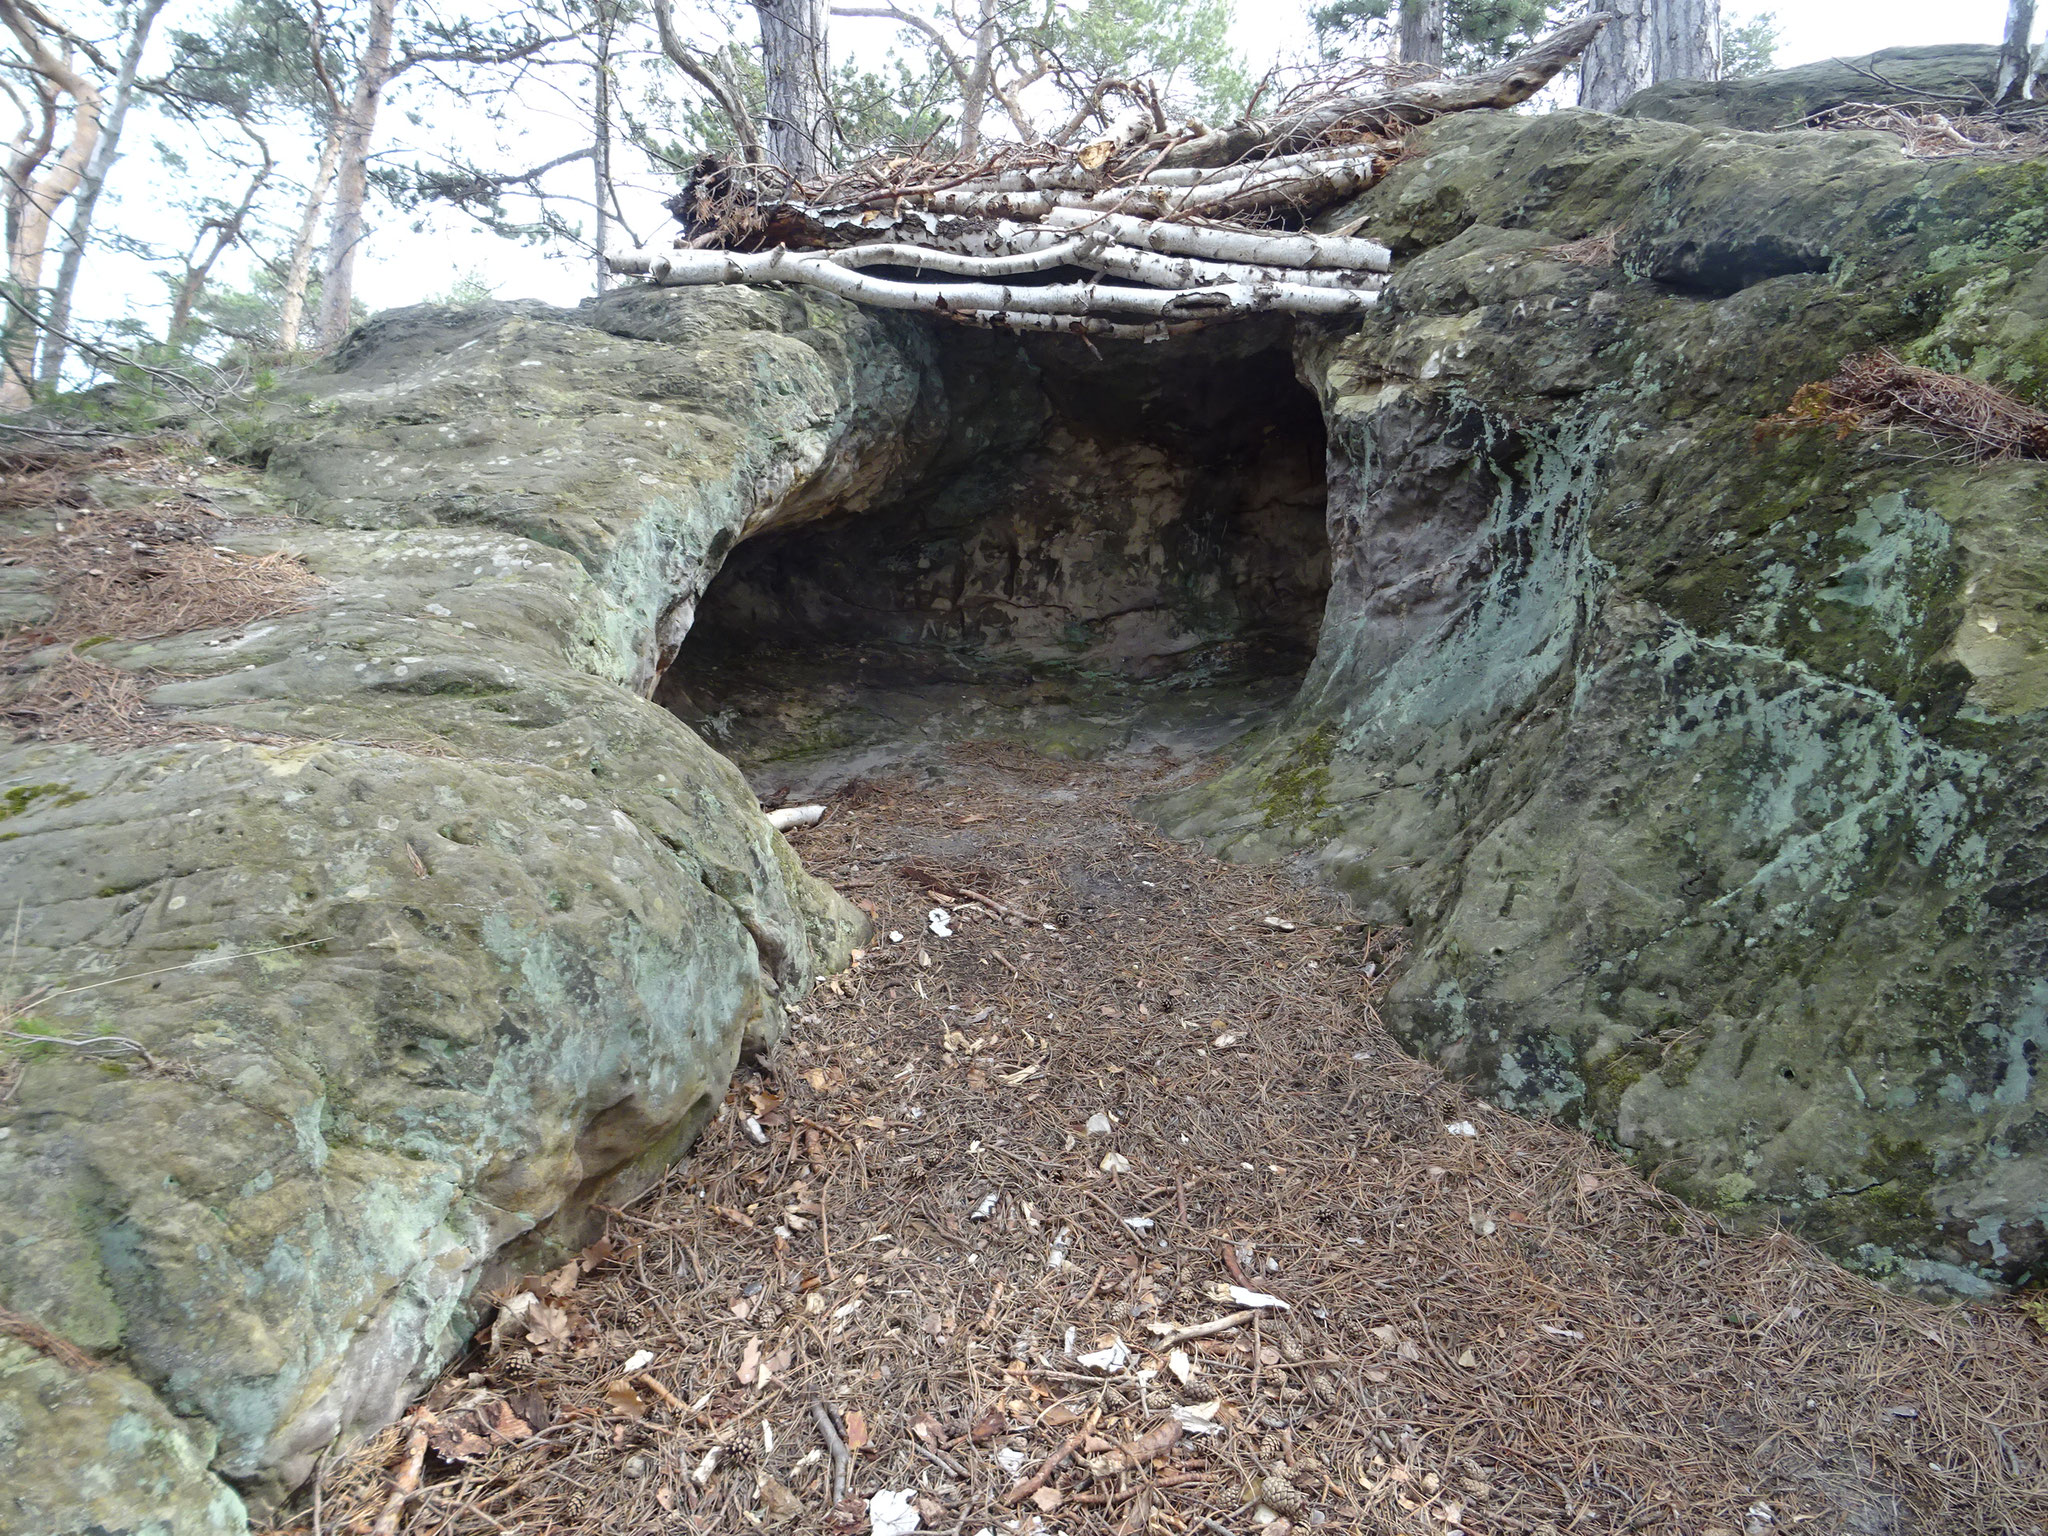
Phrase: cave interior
(1105, 549)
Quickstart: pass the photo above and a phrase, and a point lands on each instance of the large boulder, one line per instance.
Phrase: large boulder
(1707, 762)
(1953, 76)
(435, 931)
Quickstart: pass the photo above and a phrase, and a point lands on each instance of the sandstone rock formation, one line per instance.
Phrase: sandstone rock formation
(536, 916)
(1708, 767)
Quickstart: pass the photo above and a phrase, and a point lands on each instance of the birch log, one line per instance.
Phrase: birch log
(697, 268)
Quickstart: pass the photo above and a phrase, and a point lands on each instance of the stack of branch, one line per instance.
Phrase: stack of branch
(1152, 229)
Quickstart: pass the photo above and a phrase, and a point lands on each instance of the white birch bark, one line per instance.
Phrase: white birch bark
(1255, 247)
(2017, 59)
(692, 268)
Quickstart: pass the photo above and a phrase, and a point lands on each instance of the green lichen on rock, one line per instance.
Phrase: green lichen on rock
(1297, 788)
(1709, 769)
(440, 931)
(93, 1453)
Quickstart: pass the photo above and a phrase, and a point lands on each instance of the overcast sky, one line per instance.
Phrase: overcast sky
(404, 267)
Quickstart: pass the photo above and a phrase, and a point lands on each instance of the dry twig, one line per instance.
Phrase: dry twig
(1876, 392)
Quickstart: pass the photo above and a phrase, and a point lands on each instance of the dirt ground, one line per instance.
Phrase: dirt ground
(1117, 1210)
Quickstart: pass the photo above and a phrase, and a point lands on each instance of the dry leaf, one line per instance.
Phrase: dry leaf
(857, 1437)
(624, 1399)
(521, 1420)
(546, 1327)
(1469, 1360)
(455, 1441)
(1048, 1499)
(1183, 1368)
(778, 1501)
(750, 1362)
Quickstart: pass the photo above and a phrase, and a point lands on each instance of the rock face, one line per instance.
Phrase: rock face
(1955, 73)
(439, 932)
(1707, 765)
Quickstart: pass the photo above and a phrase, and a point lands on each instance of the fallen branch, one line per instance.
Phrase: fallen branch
(935, 882)
(1508, 85)
(1256, 247)
(1131, 1455)
(699, 268)
(1037, 1480)
(44, 1342)
(1206, 1330)
(835, 1448)
(1180, 214)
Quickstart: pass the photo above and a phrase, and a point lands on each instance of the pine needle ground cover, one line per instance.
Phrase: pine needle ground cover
(1115, 1209)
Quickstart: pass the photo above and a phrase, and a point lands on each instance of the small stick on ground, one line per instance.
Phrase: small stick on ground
(1207, 1330)
(662, 1392)
(921, 876)
(408, 1480)
(1050, 1465)
(835, 1448)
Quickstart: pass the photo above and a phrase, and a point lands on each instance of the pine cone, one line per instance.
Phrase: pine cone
(1327, 1388)
(1281, 1496)
(1291, 1350)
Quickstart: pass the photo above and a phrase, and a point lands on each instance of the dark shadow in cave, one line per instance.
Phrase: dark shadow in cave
(1105, 550)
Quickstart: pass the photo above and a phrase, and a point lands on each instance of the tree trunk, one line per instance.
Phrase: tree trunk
(1686, 40)
(292, 312)
(720, 90)
(225, 232)
(1617, 64)
(1422, 32)
(1648, 41)
(80, 234)
(2015, 59)
(35, 196)
(974, 88)
(601, 140)
(358, 124)
(793, 54)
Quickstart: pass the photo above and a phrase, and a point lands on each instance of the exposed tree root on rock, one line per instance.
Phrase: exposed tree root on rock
(961, 1216)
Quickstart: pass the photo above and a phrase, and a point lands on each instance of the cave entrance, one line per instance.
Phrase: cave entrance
(1100, 550)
